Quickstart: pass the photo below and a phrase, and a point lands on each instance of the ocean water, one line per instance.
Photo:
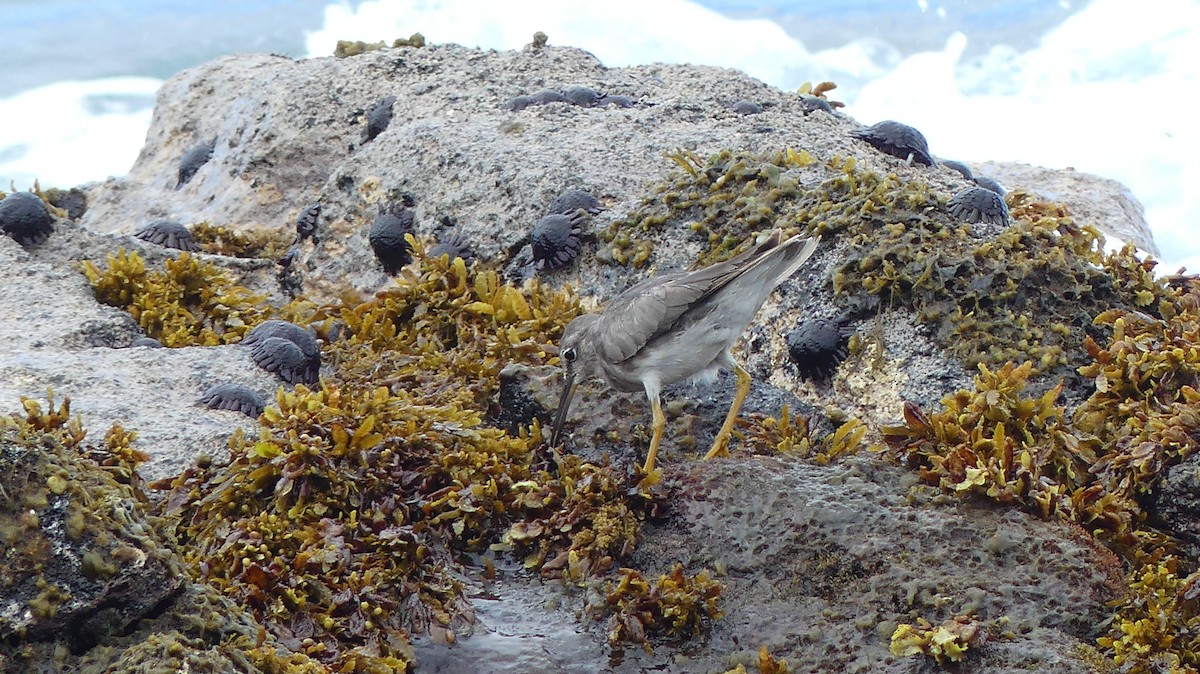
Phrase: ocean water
(1104, 86)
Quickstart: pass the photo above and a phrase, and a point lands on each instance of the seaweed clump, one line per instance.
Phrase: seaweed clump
(675, 605)
(342, 523)
(1101, 466)
(188, 303)
(795, 435)
(1011, 296)
(947, 643)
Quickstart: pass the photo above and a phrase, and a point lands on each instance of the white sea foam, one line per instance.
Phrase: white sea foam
(1110, 91)
(67, 133)
(1107, 92)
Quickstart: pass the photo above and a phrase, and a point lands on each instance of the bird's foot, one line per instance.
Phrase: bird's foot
(720, 447)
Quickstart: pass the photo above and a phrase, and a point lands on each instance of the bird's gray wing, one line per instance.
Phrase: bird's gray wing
(647, 310)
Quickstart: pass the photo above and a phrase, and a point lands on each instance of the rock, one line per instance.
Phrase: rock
(1106, 204)
(819, 561)
(82, 562)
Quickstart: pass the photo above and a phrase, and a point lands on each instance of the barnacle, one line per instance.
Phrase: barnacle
(168, 233)
(572, 200)
(556, 241)
(976, 204)
(898, 140)
(306, 222)
(25, 218)
(235, 398)
(817, 346)
(378, 119)
(193, 159)
(616, 100)
(548, 96)
(73, 201)
(387, 236)
(284, 358)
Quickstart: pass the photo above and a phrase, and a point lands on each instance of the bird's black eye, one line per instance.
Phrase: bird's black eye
(569, 354)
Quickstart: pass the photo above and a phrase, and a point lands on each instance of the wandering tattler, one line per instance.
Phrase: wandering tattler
(678, 326)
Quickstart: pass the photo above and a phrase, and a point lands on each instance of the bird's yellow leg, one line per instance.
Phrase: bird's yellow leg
(720, 445)
(660, 422)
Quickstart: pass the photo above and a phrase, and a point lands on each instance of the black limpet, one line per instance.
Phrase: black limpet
(148, 342)
(962, 168)
(455, 245)
(25, 218)
(810, 104)
(744, 107)
(990, 184)
(387, 236)
(898, 140)
(306, 223)
(289, 257)
(572, 200)
(300, 336)
(234, 398)
(548, 96)
(193, 159)
(378, 118)
(978, 204)
(284, 358)
(519, 103)
(73, 201)
(168, 233)
(584, 97)
(817, 346)
(556, 241)
(616, 100)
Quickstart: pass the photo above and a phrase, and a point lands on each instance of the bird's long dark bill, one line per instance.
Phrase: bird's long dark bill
(564, 403)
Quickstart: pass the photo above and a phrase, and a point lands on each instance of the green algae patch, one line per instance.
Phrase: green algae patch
(76, 539)
(188, 302)
(221, 240)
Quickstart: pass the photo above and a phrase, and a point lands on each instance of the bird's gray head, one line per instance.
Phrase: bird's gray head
(577, 351)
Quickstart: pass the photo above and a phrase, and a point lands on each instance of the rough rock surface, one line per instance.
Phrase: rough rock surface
(819, 560)
(1105, 204)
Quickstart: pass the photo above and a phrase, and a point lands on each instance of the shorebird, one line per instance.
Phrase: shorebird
(675, 327)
